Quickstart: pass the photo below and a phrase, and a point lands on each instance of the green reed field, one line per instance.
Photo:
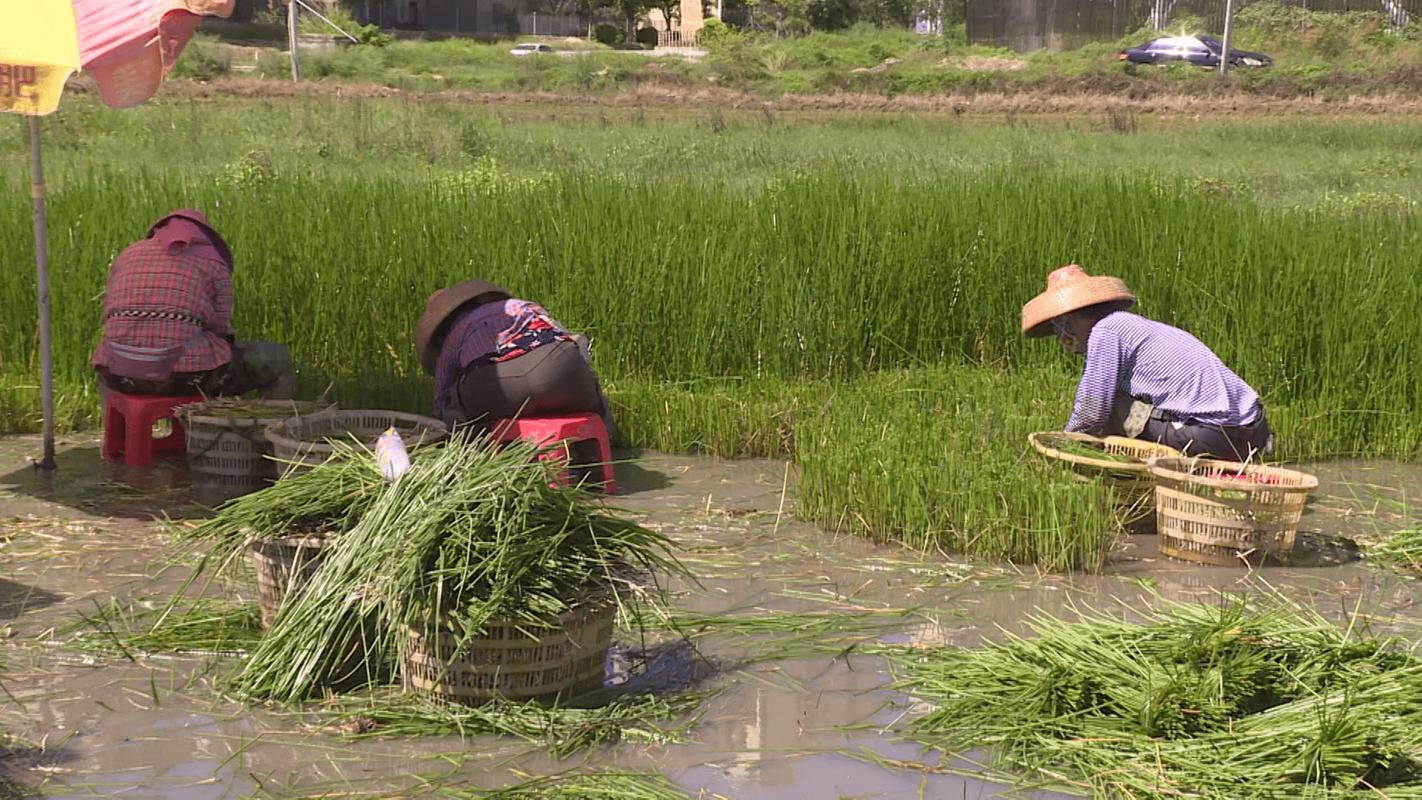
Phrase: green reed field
(842, 290)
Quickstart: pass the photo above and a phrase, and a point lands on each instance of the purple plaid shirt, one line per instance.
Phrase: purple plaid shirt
(483, 333)
(1161, 365)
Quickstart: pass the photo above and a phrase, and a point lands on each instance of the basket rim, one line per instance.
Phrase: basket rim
(190, 413)
(1164, 467)
(1038, 443)
(314, 541)
(277, 433)
(602, 602)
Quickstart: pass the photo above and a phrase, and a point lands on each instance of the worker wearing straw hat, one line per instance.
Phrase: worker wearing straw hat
(494, 356)
(168, 319)
(1142, 378)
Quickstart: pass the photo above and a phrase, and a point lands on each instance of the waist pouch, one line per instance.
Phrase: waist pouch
(144, 363)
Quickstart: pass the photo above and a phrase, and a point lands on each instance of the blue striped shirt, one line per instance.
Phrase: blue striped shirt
(1161, 365)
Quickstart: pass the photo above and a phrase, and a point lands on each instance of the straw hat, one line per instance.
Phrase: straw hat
(1070, 289)
(441, 306)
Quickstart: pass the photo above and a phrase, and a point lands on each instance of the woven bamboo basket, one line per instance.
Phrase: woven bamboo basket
(506, 662)
(1226, 513)
(301, 444)
(282, 565)
(1133, 484)
(229, 452)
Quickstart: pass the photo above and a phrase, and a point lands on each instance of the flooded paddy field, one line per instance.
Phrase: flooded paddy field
(786, 711)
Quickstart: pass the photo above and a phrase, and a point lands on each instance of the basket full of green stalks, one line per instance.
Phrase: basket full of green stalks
(1228, 513)
(473, 573)
(1119, 462)
(302, 443)
(227, 444)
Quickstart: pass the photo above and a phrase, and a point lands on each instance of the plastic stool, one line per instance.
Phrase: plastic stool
(567, 431)
(128, 426)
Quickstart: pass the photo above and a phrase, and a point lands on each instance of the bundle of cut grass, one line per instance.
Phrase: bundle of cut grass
(1221, 702)
(472, 534)
(602, 785)
(1084, 448)
(564, 729)
(201, 625)
(237, 408)
(1402, 550)
(320, 501)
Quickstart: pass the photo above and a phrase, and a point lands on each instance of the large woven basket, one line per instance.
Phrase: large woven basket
(282, 565)
(1133, 485)
(1226, 513)
(228, 450)
(506, 662)
(301, 444)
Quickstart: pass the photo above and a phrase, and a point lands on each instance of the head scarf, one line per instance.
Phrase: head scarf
(188, 231)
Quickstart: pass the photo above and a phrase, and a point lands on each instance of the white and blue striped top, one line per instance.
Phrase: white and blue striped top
(1162, 365)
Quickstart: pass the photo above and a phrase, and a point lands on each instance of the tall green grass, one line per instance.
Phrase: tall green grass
(784, 299)
(824, 276)
(934, 458)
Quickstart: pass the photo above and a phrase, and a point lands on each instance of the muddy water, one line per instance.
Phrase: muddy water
(777, 729)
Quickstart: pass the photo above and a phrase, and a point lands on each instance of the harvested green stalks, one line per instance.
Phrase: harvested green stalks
(472, 533)
(603, 785)
(1074, 447)
(330, 498)
(643, 718)
(1402, 550)
(204, 625)
(1216, 702)
(236, 408)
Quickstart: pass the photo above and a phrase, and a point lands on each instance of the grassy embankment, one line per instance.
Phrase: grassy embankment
(844, 293)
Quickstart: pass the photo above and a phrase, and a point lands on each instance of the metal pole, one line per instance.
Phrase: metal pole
(1224, 45)
(535, 23)
(291, 40)
(42, 283)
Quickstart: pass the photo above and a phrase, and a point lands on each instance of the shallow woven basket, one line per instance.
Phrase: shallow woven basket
(230, 452)
(282, 565)
(1133, 484)
(506, 662)
(1226, 513)
(300, 444)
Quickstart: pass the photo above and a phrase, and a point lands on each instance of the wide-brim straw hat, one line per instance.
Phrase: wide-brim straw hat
(441, 306)
(1071, 289)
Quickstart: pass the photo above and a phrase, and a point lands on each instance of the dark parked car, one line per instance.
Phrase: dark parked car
(1202, 51)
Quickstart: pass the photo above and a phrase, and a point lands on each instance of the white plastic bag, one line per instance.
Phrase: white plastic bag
(390, 455)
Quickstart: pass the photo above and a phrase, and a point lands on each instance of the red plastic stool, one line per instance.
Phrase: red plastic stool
(569, 431)
(128, 426)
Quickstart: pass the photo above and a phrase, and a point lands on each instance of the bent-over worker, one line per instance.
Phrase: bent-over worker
(494, 356)
(1142, 378)
(168, 319)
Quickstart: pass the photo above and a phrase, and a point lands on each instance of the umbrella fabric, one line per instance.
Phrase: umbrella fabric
(125, 45)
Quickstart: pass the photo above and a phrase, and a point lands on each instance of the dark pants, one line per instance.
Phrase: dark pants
(547, 381)
(261, 367)
(1231, 443)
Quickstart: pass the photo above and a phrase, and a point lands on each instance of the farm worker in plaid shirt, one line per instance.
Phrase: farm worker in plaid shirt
(1145, 379)
(494, 356)
(168, 319)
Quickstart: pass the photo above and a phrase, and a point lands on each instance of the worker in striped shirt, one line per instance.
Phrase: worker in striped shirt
(1142, 378)
(168, 319)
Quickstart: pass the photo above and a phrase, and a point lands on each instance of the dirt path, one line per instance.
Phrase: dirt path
(1068, 99)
